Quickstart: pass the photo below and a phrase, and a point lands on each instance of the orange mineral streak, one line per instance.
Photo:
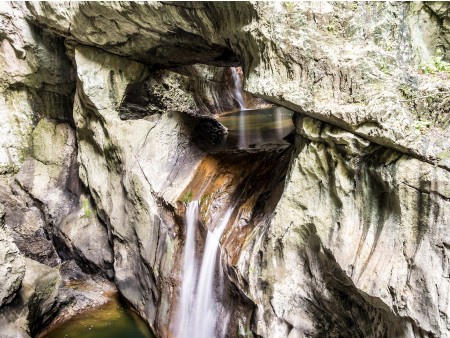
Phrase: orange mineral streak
(251, 182)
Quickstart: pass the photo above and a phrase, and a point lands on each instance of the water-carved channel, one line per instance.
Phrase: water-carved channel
(231, 197)
(233, 193)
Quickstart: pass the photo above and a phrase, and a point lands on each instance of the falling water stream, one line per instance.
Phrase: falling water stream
(199, 307)
(205, 309)
(236, 88)
(189, 272)
(237, 94)
(197, 310)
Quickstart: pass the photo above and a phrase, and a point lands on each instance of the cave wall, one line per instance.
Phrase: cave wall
(357, 246)
(352, 64)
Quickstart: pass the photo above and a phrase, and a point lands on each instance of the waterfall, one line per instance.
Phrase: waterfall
(236, 88)
(279, 122)
(205, 309)
(189, 273)
(197, 310)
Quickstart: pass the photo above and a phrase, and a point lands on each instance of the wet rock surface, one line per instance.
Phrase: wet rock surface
(194, 90)
(327, 61)
(344, 237)
(364, 218)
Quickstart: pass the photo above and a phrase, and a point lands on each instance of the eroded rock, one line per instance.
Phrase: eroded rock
(35, 81)
(86, 239)
(329, 61)
(359, 229)
(358, 242)
(12, 266)
(35, 303)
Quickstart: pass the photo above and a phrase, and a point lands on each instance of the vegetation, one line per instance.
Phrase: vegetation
(421, 125)
(408, 92)
(204, 199)
(87, 211)
(435, 65)
(187, 197)
(204, 205)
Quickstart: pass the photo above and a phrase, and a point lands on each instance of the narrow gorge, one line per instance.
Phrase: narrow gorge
(225, 169)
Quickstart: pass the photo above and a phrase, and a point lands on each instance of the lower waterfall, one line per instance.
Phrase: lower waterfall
(197, 310)
(189, 273)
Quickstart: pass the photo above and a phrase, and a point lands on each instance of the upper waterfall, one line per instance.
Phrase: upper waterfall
(236, 88)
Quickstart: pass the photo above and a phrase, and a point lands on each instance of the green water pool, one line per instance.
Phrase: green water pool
(113, 320)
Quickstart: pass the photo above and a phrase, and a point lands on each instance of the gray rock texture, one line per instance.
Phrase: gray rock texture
(193, 90)
(12, 266)
(35, 302)
(349, 64)
(86, 239)
(35, 81)
(356, 241)
(360, 229)
(48, 177)
(132, 167)
(26, 223)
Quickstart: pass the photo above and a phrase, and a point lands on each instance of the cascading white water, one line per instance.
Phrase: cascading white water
(197, 313)
(183, 329)
(237, 88)
(237, 94)
(205, 309)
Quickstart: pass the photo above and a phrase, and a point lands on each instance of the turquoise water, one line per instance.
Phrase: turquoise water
(112, 320)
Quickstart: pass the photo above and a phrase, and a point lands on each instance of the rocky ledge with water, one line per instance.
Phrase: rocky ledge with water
(232, 169)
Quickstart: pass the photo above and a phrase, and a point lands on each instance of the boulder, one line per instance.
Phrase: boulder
(36, 302)
(83, 237)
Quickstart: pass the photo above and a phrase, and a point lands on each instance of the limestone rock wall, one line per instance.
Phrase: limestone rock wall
(358, 243)
(12, 265)
(35, 81)
(359, 236)
(134, 169)
(350, 64)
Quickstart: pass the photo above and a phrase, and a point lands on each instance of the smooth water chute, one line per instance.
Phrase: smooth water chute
(279, 122)
(197, 308)
(189, 276)
(205, 309)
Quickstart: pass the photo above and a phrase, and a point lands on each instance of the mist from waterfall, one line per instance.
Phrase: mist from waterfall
(197, 309)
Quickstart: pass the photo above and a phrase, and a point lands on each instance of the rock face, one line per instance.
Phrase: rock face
(12, 267)
(35, 81)
(353, 243)
(327, 61)
(360, 229)
(130, 177)
(197, 89)
(86, 240)
(34, 303)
